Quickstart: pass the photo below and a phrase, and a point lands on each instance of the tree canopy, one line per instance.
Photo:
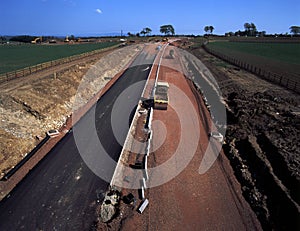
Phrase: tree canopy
(146, 31)
(250, 29)
(209, 29)
(23, 38)
(167, 30)
(295, 30)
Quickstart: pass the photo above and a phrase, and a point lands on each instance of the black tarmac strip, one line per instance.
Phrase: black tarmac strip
(61, 192)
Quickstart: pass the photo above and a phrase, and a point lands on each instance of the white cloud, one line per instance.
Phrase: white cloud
(98, 11)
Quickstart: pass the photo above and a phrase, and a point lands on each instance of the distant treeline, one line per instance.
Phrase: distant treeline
(22, 38)
(25, 38)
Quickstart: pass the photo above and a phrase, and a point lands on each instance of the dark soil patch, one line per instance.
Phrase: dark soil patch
(262, 142)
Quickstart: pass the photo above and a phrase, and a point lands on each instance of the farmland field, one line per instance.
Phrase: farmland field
(276, 62)
(14, 57)
(283, 52)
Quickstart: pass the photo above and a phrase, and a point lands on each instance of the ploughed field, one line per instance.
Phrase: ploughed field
(15, 57)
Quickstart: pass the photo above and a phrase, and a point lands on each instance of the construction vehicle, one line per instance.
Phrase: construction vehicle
(165, 40)
(161, 98)
(67, 39)
(37, 40)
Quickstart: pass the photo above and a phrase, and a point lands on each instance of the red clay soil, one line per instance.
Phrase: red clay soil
(190, 201)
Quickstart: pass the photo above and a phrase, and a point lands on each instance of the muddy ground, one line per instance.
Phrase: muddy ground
(31, 106)
(262, 142)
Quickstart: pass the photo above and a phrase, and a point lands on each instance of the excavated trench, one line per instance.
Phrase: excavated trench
(280, 170)
(271, 202)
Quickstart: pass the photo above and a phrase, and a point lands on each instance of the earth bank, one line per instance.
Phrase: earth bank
(262, 141)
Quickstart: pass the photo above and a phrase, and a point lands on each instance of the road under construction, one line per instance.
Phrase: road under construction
(61, 192)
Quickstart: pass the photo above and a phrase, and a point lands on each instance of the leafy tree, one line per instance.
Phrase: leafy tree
(250, 29)
(253, 29)
(295, 30)
(209, 29)
(167, 30)
(262, 33)
(247, 27)
(143, 32)
(2, 39)
(147, 30)
(229, 34)
(206, 29)
(130, 34)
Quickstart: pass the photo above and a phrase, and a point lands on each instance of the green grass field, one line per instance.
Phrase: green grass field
(15, 57)
(283, 52)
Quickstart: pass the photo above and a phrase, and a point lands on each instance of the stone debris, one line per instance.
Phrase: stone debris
(109, 206)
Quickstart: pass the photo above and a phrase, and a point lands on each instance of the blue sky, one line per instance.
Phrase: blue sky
(94, 17)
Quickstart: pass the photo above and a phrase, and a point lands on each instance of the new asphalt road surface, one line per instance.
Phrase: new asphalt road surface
(61, 192)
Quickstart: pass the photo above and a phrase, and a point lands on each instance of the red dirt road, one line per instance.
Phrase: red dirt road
(189, 201)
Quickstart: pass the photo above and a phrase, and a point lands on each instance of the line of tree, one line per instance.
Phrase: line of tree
(167, 30)
(23, 38)
(251, 30)
(29, 38)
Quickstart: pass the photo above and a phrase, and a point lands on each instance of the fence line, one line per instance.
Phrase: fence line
(264, 73)
(42, 66)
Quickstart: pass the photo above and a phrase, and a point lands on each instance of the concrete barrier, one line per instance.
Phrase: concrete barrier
(143, 206)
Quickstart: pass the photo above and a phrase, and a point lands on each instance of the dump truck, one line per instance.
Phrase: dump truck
(161, 97)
